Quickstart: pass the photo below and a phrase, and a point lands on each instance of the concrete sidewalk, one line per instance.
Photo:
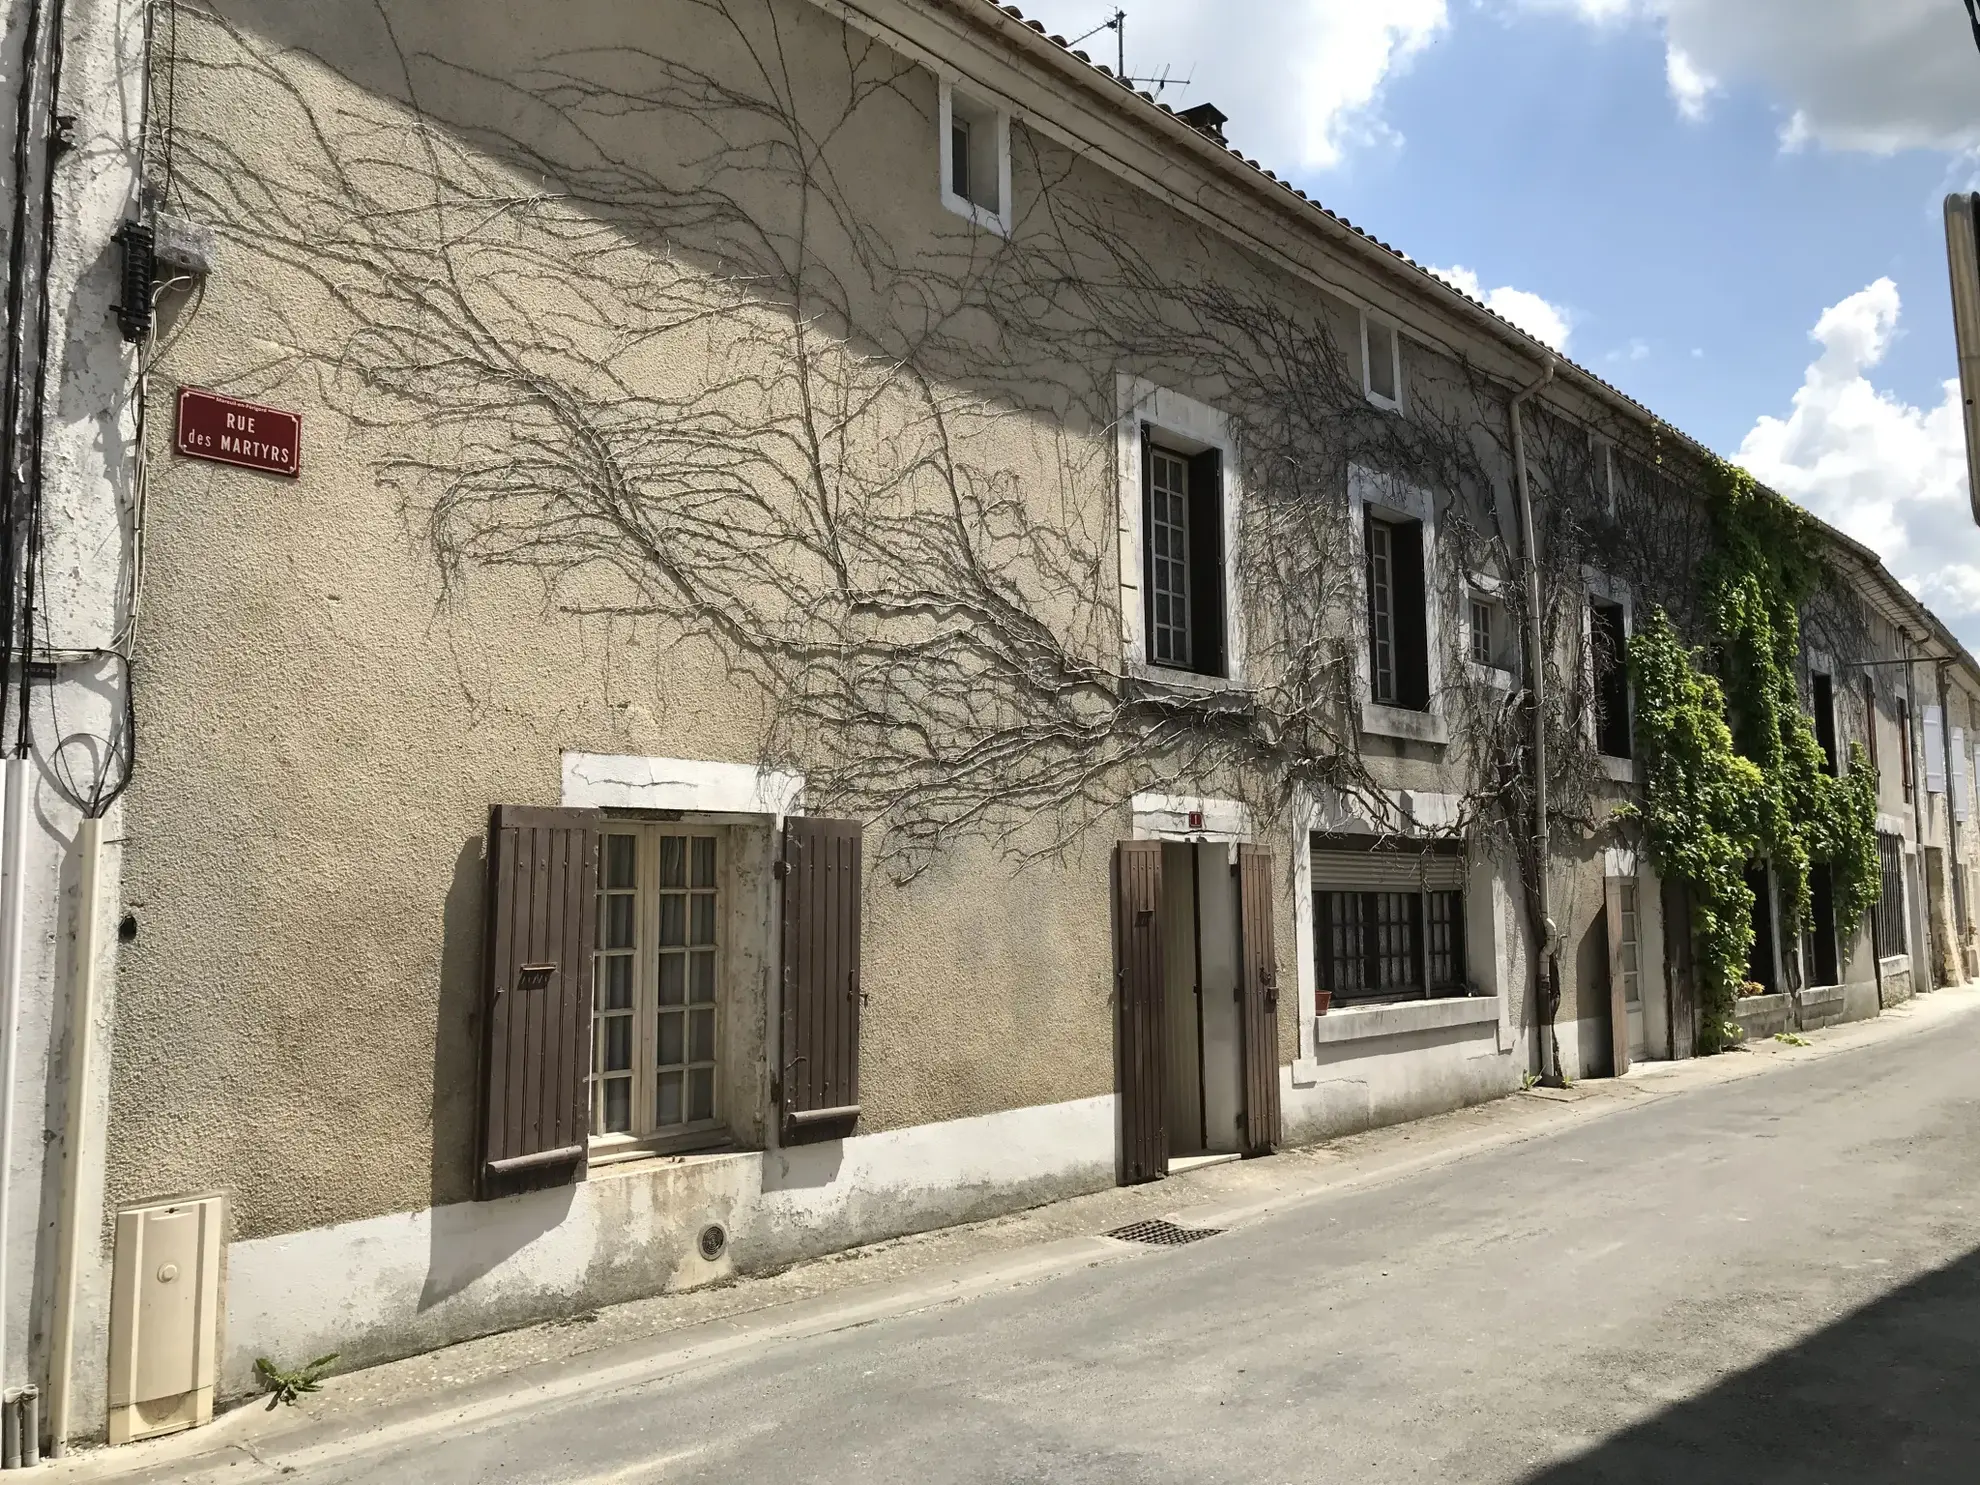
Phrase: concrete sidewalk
(388, 1408)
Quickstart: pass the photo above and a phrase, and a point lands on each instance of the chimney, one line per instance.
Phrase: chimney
(1206, 118)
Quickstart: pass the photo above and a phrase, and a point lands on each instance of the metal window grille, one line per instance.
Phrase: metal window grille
(1390, 945)
(1381, 614)
(1444, 929)
(1891, 938)
(1168, 550)
(1481, 632)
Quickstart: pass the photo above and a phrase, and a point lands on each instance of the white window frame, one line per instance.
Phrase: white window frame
(1393, 498)
(1597, 584)
(1394, 331)
(754, 803)
(1497, 673)
(646, 1132)
(1183, 426)
(977, 111)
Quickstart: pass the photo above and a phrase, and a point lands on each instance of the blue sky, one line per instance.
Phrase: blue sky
(1686, 189)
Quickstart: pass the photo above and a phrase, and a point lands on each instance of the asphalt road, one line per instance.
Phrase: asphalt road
(1776, 1279)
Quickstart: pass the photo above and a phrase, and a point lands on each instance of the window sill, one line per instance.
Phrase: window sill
(1163, 677)
(1399, 721)
(982, 216)
(1364, 1023)
(1618, 770)
(1497, 677)
(618, 1149)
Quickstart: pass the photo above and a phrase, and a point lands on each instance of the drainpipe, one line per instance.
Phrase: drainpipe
(1921, 954)
(1953, 889)
(1550, 934)
(82, 1007)
(13, 903)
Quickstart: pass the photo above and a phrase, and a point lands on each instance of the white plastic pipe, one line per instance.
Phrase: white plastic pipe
(13, 903)
(68, 1238)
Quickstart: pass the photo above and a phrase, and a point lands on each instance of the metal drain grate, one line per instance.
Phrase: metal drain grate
(1162, 1234)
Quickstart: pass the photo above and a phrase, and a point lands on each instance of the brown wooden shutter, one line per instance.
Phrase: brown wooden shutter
(818, 1090)
(1140, 1052)
(1258, 992)
(1618, 1002)
(542, 911)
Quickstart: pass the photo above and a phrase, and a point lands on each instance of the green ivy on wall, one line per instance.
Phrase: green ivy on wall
(1732, 769)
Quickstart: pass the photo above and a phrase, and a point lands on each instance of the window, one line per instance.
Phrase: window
(1481, 632)
(1904, 749)
(1609, 638)
(1825, 720)
(657, 987)
(1381, 360)
(1380, 946)
(1629, 936)
(1183, 560)
(976, 160)
(1398, 631)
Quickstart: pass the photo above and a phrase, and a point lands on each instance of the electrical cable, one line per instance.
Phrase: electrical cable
(1973, 15)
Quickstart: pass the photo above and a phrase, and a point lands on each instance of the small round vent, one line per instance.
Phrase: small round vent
(714, 1241)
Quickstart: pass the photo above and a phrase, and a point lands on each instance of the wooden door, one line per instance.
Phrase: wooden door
(1258, 994)
(1140, 1053)
(1612, 893)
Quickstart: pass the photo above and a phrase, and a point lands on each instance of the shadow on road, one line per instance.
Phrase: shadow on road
(1890, 1393)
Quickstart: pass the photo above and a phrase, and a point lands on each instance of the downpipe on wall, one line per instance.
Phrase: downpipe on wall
(1546, 969)
(13, 908)
(82, 1010)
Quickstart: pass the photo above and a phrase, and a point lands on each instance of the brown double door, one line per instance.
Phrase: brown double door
(1196, 999)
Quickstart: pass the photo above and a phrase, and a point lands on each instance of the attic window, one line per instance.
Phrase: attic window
(1381, 361)
(975, 147)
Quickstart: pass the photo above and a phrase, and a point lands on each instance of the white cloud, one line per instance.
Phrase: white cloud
(1690, 88)
(1889, 474)
(1547, 323)
(1301, 79)
(1875, 75)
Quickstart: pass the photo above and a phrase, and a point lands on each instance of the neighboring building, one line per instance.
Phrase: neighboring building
(868, 624)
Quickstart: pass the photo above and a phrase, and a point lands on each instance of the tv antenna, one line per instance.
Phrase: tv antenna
(1117, 23)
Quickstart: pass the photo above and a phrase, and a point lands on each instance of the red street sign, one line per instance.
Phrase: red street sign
(243, 433)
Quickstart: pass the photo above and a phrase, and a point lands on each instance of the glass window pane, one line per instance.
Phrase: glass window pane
(670, 1039)
(673, 921)
(701, 1093)
(618, 1106)
(672, 974)
(704, 861)
(702, 986)
(618, 1044)
(621, 861)
(673, 861)
(615, 983)
(702, 1043)
(669, 1107)
(702, 929)
(619, 921)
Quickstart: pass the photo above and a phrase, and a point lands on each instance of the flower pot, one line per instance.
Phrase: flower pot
(1321, 1000)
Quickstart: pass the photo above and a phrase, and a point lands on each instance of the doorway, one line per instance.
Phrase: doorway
(1196, 1046)
(1203, 1082)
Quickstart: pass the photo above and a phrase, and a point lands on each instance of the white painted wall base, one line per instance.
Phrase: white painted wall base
(1368, 1081)
(392, 1286)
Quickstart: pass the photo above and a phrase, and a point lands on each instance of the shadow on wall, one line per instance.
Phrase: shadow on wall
(1885, 1394)
(1594, 1045)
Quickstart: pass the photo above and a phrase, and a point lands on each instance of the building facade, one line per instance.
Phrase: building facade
(862, 628)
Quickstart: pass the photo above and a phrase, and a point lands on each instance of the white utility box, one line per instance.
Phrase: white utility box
(164, 1309)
